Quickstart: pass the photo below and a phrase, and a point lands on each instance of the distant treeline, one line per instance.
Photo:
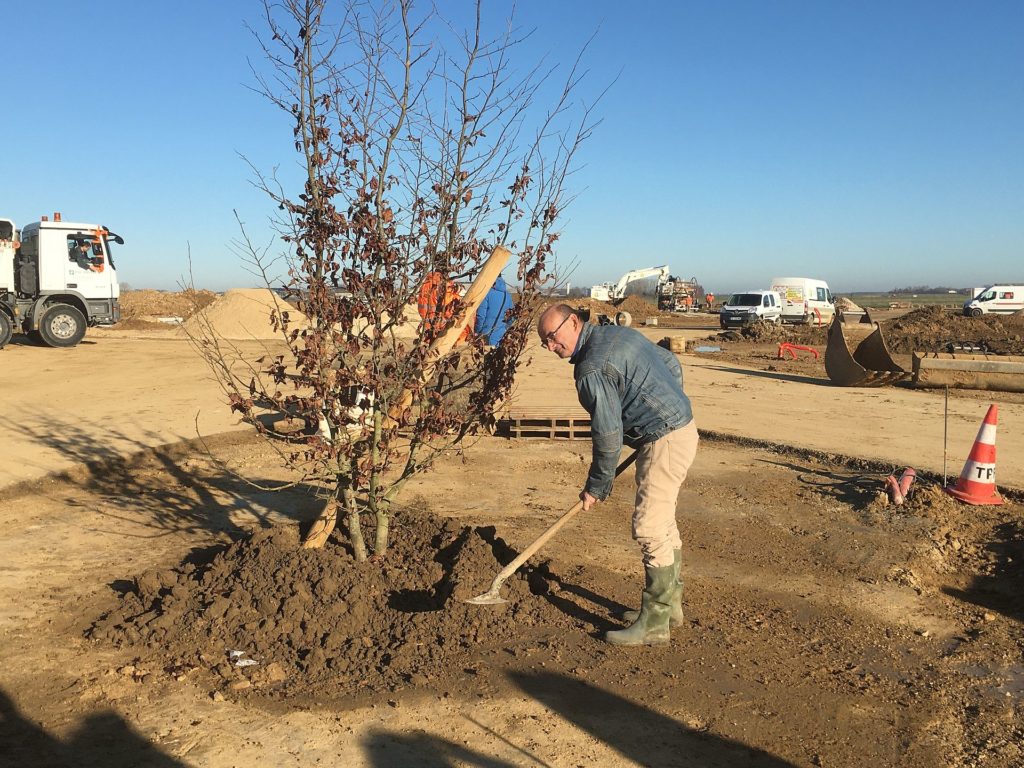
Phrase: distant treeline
(929, 289)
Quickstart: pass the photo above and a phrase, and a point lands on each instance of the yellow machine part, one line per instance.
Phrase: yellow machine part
(869, 364)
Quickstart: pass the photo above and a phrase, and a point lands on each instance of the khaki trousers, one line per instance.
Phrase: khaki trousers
(661, 467)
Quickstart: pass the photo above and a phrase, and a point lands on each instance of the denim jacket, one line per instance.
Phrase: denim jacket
(633, 391)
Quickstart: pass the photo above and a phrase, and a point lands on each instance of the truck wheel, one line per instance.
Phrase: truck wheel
(6, 329)
(976, 312)
(62, 326)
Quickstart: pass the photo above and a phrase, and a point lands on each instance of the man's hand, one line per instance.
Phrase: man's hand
(588, 500)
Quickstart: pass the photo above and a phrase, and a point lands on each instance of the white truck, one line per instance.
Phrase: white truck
(805, 300)
(1000, 299)
(56, 279)
(616, 291)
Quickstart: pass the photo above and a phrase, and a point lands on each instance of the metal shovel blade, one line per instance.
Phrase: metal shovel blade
(490, 597)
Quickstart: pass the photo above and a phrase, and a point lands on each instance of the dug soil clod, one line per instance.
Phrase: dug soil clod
(326, 625)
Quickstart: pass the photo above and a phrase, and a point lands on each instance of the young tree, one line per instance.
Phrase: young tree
(421, 160)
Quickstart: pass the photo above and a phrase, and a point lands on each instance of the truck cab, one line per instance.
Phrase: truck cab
(57, 278)
(8, 246)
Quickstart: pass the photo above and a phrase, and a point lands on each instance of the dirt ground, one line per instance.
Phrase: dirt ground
(823, 626)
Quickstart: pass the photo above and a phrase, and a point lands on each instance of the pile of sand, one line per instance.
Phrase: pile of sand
(845, 305)
(243, 313)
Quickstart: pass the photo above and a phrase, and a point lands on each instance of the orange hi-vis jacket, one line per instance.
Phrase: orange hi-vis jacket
(436, 305)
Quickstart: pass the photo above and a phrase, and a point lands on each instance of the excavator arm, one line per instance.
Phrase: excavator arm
(619, 289)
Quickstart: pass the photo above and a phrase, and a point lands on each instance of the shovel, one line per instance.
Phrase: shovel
(491, 596)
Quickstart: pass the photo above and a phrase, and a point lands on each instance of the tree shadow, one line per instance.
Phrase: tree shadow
(385, 749)
(103, 740)
(636, 732)
(172, 488)
(853, 488)
(1002, 590)
(772, 375)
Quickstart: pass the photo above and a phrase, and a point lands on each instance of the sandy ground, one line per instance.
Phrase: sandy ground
(822, 627)
(128, 401)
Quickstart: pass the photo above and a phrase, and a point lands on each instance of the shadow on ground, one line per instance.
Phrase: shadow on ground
(570, 598)
(636, 732)
(773, 375)
(1002, 590)
(103, 740)
(173, 488)
(385, 749)
(857, 489)
(633, 732)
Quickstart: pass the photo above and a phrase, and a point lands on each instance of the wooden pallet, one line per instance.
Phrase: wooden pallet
(547, 423)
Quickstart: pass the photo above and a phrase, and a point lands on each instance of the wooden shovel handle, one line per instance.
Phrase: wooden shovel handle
(555, 527)
(475, 295)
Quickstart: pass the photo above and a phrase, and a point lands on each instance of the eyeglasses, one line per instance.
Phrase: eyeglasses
(549, 337)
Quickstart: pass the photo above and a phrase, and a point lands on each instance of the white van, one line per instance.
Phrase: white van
(804, 300)
(998, 299)
(742, 309)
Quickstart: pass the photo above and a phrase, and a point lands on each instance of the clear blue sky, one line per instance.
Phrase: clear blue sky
(872, 144)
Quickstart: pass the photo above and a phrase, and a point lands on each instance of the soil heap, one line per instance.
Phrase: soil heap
(145, 304)
(243, 313)
(316, 622)
(931, 329)
(844, 304)
(774, 333)
(638, 307)
(928, 329)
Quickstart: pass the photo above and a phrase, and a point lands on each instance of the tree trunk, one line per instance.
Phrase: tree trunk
(382, 514)
(355, 529)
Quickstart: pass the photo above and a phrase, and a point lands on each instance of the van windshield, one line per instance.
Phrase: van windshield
(745, 300)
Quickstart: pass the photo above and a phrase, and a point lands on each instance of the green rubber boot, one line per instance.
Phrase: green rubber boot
(651, 625)
(675, 614)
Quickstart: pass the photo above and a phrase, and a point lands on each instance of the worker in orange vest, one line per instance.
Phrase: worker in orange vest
(436, 306)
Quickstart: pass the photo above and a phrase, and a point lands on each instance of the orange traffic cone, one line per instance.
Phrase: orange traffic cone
(977, 483)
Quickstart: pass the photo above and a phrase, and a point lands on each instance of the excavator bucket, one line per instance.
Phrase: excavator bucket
(870, 364)
(1000, 373)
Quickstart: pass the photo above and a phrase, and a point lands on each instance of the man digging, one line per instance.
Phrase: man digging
(633, 391)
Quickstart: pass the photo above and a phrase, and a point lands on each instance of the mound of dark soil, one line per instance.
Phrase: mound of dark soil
(319, 623)
(140, 303)
(930, 329)
(770, 333)
(638, 307)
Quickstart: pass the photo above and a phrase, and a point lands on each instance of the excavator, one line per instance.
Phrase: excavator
(613, 292)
